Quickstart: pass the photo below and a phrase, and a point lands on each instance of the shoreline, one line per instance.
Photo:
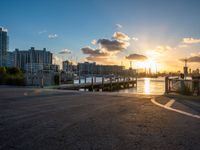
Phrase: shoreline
(116, 93)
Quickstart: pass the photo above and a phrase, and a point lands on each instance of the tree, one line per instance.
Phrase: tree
(57, 79)
(2, 70)
(14, 70)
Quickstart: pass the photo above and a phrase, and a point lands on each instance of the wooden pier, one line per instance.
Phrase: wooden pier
(106, 85)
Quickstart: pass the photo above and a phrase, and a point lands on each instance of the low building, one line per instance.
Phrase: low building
(130, 72)
(67, 77)
(109, 69)
(41, 78)
(67, 66)
(86, 68)
(196, 72)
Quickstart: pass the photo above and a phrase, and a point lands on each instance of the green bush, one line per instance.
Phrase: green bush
(11, 76)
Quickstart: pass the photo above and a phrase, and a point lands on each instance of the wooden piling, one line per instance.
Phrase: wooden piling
(110, 83)
(102, 83)
(79, 81)
(95, 79)
(92, 83)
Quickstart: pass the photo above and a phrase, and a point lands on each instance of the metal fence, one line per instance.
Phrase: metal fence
(182, 86)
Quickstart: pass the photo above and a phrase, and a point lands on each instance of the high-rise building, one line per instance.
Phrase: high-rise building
(32, 59)
(3, 46)
(10, 59)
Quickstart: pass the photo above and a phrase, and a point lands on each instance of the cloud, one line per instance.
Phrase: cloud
(195, 54)
(107, 49)
(101, 60)
(134, 39)
(182, 46)
(65, 51)
(57, 60)
(94, 42)
(42, 32)
(136, 57)
(94, 52)
(119, 26)
(96, 55)
(113, 45)
(121, 36)
(52, 36)
(190, 40)
(194, 59)
(183, 59)
(161, 49)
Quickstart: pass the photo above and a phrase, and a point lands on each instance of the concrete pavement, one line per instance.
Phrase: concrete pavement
(49, 119)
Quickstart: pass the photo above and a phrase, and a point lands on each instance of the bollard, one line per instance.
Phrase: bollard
(166, 85)
(195, 87)
(183, 91)
(136, 82)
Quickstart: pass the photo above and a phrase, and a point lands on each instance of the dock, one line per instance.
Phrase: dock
(112, 84)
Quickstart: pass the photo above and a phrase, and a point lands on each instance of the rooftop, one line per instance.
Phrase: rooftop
(3, 29)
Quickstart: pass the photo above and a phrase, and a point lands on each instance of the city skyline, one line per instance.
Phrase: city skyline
(155, 35)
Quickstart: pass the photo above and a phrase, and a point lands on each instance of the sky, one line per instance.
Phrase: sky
(148, 33)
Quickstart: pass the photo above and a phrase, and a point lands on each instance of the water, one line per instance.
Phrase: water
(147, 86)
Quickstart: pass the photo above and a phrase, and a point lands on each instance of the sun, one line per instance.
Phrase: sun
(149, 64)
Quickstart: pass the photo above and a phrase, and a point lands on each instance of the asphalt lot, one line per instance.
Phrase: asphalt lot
(34, 119)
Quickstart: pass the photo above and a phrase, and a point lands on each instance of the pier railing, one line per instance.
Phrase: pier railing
(106, 84)
(182, 86)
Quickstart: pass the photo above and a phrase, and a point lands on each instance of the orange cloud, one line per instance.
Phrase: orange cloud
(191, 40)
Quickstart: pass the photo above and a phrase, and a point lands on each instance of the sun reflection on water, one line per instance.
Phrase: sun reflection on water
(146, 85)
